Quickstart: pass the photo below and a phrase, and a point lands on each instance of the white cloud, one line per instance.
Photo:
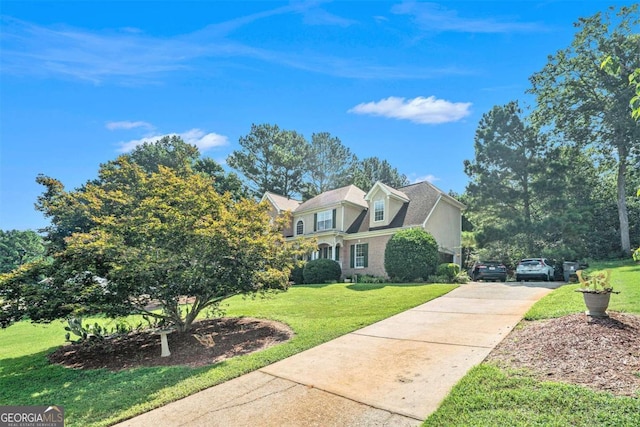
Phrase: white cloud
(130, 57)
(428, 178)
(204, 141)
(128, 125)
(435, 17)
(418, 110)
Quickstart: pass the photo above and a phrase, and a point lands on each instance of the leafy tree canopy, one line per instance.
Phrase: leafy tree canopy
(174, 153)
(271, 159)
(133, 238)
(329, 164)
(371, 169)
(584, 104)
(18, 248)
(508, 177)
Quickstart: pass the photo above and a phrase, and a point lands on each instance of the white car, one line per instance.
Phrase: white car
(534, 268)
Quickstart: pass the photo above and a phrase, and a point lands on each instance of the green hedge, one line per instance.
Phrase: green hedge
(411, 255)
(448, 270)
(321, 271)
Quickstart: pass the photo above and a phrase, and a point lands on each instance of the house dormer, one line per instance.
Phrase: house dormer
(384, 203)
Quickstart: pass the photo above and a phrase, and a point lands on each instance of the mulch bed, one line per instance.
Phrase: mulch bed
(208, 342)
(602, 354)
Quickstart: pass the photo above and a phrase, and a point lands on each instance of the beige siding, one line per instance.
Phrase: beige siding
(391, 208)
(445, 225)
(273, 213)
(394, 207)
(307, 219)
(345, 216)
(350, 215)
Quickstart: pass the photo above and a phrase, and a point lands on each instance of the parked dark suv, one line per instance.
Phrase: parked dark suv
(488, 270)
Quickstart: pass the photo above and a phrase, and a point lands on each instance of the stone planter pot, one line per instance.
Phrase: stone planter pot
(596, 303)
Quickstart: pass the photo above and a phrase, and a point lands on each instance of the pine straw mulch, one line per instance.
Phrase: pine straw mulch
(208, 342)
(602, 354)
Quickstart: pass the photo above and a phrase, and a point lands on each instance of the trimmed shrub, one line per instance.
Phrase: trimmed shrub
(366, 278)
(411, 254)
(297, 275)
(321, 270)
(438, 279)
(448, 270)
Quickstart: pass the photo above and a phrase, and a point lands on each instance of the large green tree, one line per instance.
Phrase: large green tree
(507, 178)
(164, 238)
(174, 153)
(329, 165)
(18, 248)
(585, 105)
(272, 159)
(68, 215)
(371, 169)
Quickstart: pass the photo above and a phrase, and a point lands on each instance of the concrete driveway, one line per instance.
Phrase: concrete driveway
(392, 373)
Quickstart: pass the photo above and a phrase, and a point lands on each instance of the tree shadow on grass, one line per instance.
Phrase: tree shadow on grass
(88, 396)
(314, 286)
(360, 287)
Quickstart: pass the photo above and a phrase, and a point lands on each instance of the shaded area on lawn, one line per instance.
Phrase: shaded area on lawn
(208, 342)
(99, 397)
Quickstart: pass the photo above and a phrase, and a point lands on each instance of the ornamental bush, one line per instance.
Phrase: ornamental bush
(321, 270)
(410, 255)
(297, 275)
(448, 270)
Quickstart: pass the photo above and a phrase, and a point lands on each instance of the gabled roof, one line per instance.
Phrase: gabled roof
(281, 203)
(392, 192)
(422, 196)
(350, 193)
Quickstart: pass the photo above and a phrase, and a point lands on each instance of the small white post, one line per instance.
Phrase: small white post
(164, 344)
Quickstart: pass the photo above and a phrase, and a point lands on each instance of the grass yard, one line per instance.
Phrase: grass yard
(490, 396)
(317, 313)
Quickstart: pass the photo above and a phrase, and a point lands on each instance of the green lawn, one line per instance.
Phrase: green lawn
(490, 396)
(316, 313)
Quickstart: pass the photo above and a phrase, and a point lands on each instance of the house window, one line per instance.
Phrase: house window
(378, 210)
(325, 252)
(360, 255)
(324, 220)
(300, 227)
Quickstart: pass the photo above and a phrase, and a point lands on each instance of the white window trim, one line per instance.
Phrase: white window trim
(355, 256)
(375, 203)
(324, 221)
(297, 222)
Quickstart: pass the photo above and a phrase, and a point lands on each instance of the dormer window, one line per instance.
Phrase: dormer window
(300, 227)
(378, 210)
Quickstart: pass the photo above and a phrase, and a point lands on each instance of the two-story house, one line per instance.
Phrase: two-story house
(353, 227)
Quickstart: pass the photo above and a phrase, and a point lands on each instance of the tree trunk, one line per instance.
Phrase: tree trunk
(623, 215)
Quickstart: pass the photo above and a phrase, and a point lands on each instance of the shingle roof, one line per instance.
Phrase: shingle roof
(422, 199)
(350, 193)
(282, 203)
(399, 194)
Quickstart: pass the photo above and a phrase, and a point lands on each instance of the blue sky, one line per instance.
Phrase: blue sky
(82, 82)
